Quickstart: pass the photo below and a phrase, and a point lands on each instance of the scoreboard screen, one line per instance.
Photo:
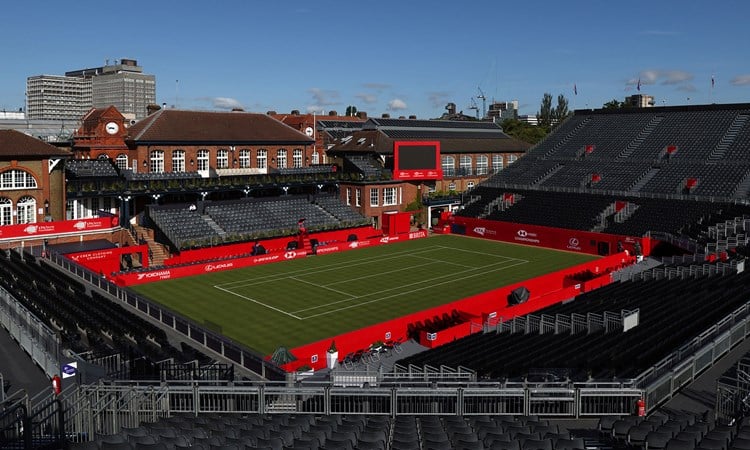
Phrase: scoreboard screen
(416, 161)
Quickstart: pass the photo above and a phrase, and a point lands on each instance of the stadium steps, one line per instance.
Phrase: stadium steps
(645, 179)
(743, 188)
(635, 143)
(729, 137)
(549, 174)
(157, 252)
(214, 226)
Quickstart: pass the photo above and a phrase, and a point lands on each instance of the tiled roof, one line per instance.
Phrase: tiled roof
(204, 127)
(16, 144)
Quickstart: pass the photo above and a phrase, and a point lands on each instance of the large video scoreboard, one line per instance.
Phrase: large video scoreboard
(417, 160)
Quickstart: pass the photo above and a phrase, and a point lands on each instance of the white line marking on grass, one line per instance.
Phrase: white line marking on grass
(443, 261)
(259, 303)
(378, 274)
(396, 288)
(482, 253)
(317, 270)
(320, 286)
(403, 292)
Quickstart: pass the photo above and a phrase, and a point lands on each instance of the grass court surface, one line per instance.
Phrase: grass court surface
(304, 300)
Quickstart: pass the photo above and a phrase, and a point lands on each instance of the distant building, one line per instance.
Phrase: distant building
(70, 97)
(639, 101)
(500, 111)
(529, 118)
(57, 97)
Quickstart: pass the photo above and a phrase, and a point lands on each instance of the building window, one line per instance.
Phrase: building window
(6, 211)
(17, 179)
(315, 158)
(222, 158)
(497, 163)
(512, 159)
(262, 158)
(203, 160)
(26, 210)
(482, 165)
(121, 161)
(389, 196)
(465, 165)
(297, 158)
(244, 159)
(178, 161)
(157, 161)
(348, 196)
(358, 197)
(281, 159)
(449, 165)
(374, 197)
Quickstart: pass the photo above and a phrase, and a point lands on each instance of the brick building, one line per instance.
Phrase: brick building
(470, 151)
(31, 179)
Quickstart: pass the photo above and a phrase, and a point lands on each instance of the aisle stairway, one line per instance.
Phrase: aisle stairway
(157, 252)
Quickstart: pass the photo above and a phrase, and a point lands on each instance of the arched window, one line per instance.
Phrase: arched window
(244, 159)
(17, 179)
(281, 159)
(222, 158)
(203, 160)
(512, 159)
(157, 161)
(482, 165)
(262, 158)
(178, 161)
(497, 163)
(465, 163)
(26, 210)
(449, 165)
(297, 158)
(6, 211)
(122, 161)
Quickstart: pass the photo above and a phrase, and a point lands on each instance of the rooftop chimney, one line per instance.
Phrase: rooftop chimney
(362, 115)
(333, 113)
(385, 116)
(271, 113)
(295, 112)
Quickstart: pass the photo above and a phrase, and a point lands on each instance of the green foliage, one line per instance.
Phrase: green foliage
(545, 115)
(523, 131)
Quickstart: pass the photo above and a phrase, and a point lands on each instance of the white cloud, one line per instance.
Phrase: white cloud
(740, 80)
(438, 99)
(324, 97)
(367, 98)
(226, 103)
(376, 86)
(677, 78)
(397, 105)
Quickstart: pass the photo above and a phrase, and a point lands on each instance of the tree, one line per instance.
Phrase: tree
(523, 131)
(561, 112)
(545, 114)
(613, 104)
(351, 110)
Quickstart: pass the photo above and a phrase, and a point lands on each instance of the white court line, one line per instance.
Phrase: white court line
(320, 286)
(374, 275)
(481, 253)
(441, 261)
(483, 269)
(407, 292)
(260, 303)
(317, 270)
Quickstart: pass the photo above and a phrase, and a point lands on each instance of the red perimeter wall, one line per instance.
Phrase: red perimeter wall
(541, 236)
(188, 270)
(544, 291)
(271, 245)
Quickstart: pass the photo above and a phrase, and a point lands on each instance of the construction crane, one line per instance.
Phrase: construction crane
(474, 106)
(484, 102)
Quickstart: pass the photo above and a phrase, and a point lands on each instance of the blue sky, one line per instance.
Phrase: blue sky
(398, 57)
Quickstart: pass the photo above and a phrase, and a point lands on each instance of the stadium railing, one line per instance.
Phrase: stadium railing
(198, 334)
(38, 340)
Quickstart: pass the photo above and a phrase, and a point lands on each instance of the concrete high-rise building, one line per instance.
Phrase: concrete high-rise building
(640, 101)
(56, 97)
(69, 97)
